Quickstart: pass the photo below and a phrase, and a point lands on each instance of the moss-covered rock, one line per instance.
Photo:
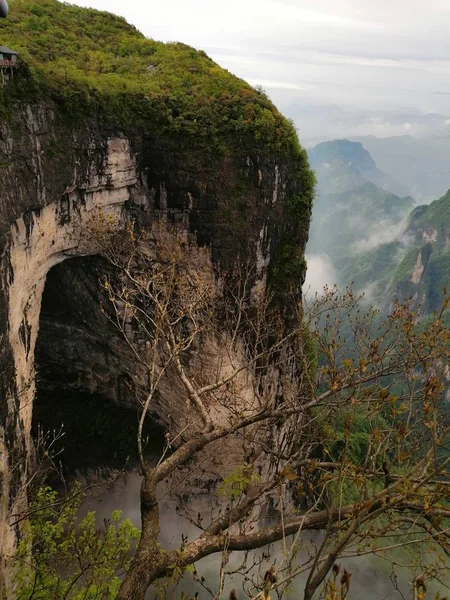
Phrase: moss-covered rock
(89, 61)
(185, 114)
(98, 116)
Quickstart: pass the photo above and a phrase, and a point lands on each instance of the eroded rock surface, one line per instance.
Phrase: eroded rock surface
(53, 179)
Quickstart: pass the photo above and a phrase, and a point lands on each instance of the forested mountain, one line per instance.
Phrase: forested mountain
(342, 165)
(374, 239)
(421, 257)
(421, 165)
(415, 263)
(352, 215)
(95, 62)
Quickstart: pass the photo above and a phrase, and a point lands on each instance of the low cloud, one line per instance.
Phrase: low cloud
(369, 580)
(320, 273)
(383, 233)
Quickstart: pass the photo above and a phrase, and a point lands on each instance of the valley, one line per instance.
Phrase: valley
(224, 368)
(388, 247)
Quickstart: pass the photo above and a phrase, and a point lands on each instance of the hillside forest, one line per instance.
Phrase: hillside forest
(224, 349)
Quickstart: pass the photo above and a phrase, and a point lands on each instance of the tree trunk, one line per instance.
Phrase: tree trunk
(148, 555)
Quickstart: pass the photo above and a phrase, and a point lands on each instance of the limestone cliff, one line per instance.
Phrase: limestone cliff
(72, 145)
(423, 271)
(414, 264)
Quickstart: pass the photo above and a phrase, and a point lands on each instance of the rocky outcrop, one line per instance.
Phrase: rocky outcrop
(423, 270)
(53, 178)
(45, 211)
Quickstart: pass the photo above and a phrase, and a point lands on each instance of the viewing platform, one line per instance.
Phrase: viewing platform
(9, 60)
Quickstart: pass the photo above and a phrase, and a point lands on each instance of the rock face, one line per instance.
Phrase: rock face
(53, 179)
(423, 271)
(44, 212)
(414, 264)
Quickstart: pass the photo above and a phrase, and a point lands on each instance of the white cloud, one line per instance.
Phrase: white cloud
(320, 273)
(382, 233)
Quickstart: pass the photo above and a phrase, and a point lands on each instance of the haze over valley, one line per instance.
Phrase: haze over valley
(224, 300)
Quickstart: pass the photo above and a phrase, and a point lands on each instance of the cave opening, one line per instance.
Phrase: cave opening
(84, 374)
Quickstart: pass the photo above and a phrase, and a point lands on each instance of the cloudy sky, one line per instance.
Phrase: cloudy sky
(364, 53)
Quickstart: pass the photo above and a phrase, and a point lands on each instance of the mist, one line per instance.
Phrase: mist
(371, 577)
(320, 273)
(378, 234)
(317, 123)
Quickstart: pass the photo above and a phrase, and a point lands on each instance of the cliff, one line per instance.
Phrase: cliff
(423, 271)
(413, 264)
(100, 119)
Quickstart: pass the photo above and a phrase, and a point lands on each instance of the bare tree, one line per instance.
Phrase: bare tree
(345, 433)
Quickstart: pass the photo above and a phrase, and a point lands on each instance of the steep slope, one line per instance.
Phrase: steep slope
(421, 165)
(415, 264)
(424, 271)
(100, 120)
(351, 214)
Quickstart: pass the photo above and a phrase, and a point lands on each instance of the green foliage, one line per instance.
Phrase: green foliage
(350, 432)
(238, 482)
(437, 214)
(429, 226)
(406, 267)
(366, 268)
(69, 559)
(95, 66)
(95, 62)
(436, 279)
(389, 267)
(289, 266)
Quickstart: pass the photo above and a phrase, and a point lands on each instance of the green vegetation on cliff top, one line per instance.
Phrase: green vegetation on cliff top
(436, 214)
(89, 59)
(94, 65)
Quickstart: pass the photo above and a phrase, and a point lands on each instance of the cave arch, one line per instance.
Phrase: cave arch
(43, 236)
(85, 371)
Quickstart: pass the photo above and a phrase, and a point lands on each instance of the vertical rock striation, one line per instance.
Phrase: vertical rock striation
(242, 186)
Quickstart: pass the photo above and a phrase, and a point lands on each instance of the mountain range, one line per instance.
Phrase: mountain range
(385, 245)
(421, 165)
(326, 122)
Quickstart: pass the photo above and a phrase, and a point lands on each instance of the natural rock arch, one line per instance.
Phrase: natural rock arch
(39, 241)
(57, 175)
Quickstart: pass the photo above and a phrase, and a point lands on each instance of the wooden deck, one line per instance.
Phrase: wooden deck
(9, 64)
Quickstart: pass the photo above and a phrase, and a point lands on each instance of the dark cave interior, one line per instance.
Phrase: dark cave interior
(83, 373)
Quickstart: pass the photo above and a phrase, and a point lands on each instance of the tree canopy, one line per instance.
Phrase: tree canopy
(88, 57)
(346, 439)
